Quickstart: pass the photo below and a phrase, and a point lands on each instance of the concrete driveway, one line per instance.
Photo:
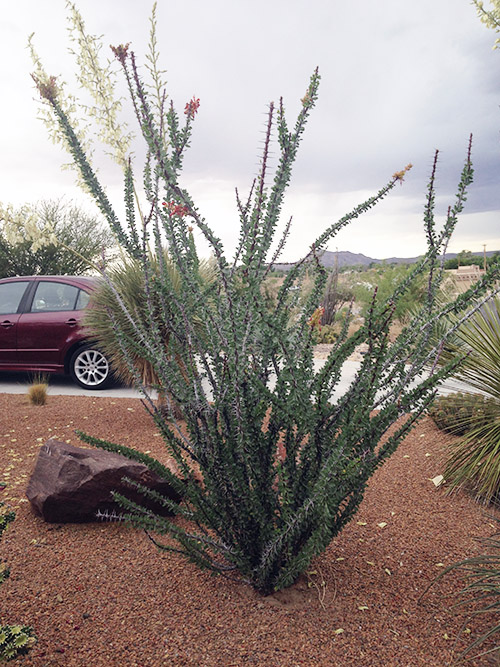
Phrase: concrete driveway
(17, 383)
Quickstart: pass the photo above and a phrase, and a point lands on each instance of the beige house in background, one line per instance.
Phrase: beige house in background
(464, 277)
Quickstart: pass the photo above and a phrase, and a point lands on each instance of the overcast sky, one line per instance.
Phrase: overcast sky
(399, 80)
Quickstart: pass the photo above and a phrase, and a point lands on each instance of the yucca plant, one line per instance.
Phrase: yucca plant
(479, 340)
(106, 317)
(474, 460)
(270, 469)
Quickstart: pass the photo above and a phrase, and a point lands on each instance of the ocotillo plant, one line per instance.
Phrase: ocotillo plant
(270, 466)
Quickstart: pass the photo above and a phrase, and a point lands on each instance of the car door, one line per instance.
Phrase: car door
(11, 297)
(49, 325)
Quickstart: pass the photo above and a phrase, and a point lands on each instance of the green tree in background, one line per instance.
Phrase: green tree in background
(73, 239)
(386, 279)
(466, 258)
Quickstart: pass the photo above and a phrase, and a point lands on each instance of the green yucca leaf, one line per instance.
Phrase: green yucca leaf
(474, 460)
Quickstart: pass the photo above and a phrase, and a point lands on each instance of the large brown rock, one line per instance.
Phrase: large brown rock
(71, 484)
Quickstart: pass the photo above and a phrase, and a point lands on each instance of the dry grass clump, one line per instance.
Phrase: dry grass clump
(37, 391)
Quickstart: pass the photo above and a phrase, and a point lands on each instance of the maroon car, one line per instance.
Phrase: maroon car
(40, 329)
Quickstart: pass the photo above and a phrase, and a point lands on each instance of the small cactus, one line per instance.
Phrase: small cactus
(459, 413)
(14, 639)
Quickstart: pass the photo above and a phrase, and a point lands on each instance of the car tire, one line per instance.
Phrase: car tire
(89, 368)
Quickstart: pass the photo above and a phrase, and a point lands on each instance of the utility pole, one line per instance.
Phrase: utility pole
(484, 256)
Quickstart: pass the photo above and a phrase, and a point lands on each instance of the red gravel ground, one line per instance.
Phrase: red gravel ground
(103, 595)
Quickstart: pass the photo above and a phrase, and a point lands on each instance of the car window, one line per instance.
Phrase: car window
(11, 295)
(82, 300)
(50, 297)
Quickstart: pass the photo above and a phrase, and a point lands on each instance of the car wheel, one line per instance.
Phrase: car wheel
(89, 368)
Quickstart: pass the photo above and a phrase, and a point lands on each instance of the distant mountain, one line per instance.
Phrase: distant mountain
(346, 258)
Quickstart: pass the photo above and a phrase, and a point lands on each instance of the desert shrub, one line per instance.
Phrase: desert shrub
(327, 333)
(459, 413)
(14, 639)
(386, 279)
(270, 469)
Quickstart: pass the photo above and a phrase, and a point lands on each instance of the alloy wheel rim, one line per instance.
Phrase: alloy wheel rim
(91, 368)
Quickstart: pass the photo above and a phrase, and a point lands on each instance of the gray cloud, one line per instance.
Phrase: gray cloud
(399, 79)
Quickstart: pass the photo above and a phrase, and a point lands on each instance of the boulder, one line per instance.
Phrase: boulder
(71, 484)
